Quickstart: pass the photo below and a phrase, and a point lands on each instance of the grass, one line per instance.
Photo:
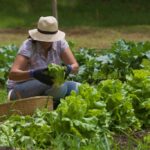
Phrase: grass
(101, 38)
(90, 37)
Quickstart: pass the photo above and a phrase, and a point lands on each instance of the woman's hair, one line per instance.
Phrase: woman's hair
(33, 41)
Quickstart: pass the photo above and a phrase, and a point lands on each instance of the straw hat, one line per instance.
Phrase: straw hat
(47, 30)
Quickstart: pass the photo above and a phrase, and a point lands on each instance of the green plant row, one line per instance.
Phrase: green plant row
(88, 119)
(116, 62)
(7, 55)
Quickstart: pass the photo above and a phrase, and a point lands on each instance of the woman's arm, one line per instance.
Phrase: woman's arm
(19, 69)
(68, 58)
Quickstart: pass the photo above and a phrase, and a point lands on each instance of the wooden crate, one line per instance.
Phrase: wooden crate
(26, 106)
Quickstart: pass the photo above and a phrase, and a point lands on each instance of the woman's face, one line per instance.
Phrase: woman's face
(46, 45)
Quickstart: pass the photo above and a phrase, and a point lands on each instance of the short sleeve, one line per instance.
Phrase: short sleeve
(64, 45)
(26, 48)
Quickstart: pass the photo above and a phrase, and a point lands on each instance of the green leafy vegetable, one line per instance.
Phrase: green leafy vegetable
(57, 72)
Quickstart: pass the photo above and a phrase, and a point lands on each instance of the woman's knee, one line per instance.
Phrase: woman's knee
(72, 86)
(57, 92)
(63, 90)
(28, 89)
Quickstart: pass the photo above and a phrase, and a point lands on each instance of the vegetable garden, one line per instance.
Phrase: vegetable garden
(110, 111)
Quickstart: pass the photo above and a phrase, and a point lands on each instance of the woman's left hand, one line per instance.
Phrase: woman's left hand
(68, 69)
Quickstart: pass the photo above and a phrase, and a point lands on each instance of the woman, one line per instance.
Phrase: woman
(45, 45)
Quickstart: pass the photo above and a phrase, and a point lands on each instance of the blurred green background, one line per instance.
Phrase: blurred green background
(74, 13)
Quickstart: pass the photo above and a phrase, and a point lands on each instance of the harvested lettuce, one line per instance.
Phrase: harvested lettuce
(57, 72)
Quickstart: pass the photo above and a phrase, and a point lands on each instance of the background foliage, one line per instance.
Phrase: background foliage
(79, 13)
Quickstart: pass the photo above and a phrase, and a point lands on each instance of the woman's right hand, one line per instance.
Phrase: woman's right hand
(42, 76)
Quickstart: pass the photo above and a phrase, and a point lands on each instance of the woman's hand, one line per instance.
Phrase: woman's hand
(68, 69)
(68, 58)
(42, 76)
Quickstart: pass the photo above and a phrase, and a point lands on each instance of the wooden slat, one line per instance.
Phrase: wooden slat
(26, 106)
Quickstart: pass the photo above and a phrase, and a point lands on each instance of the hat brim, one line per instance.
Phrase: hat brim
(36, 35)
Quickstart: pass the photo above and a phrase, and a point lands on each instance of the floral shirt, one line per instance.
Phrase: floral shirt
(37, 60)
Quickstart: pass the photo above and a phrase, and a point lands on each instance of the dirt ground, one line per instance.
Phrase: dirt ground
(98, 38)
